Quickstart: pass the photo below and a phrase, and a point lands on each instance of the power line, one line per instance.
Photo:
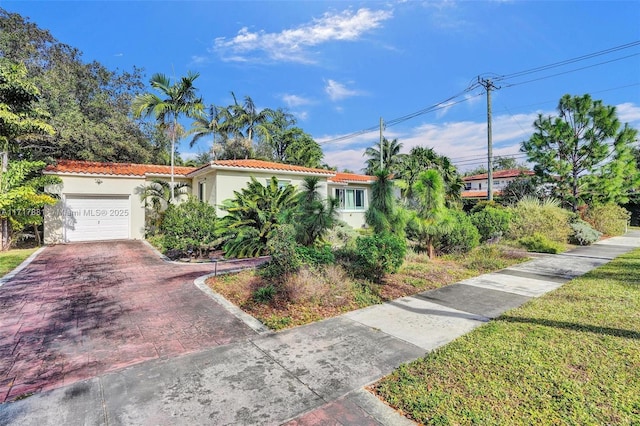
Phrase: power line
(447, 103)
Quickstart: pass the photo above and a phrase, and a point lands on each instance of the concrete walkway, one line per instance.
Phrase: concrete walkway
(308, 375)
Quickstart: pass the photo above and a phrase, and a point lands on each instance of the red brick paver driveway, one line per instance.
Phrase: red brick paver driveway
(80, 310)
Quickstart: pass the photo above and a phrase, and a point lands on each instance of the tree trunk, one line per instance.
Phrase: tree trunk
(5, 237)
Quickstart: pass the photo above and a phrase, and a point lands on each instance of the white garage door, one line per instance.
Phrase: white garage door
(93, 218)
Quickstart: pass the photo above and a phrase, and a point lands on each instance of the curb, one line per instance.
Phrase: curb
(21, 266)
(250, 321)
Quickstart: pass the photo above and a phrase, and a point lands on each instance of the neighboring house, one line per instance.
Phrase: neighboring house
(476, 186)
(102, 201)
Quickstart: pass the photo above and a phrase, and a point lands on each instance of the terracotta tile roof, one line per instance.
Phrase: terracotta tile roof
(477, 193)
(351, 177)
(268, 165)
(114, 169)
(500, 174)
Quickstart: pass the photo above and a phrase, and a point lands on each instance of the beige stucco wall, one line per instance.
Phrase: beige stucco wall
(54, 216)
(228, 181)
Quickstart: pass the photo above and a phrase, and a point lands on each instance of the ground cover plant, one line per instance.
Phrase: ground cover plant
(9, 260)
(316, 292)
(570, 357)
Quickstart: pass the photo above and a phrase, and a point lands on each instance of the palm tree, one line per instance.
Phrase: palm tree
(254, 215)
(210, 123)
(390, 153)
(157, 196)
(246, 121)
(177, 99)
(315, 215)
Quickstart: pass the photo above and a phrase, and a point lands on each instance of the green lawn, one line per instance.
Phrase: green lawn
(12, 258)
(570, 357)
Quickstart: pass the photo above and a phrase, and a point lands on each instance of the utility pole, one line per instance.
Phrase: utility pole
(381, 144)
(488, 85)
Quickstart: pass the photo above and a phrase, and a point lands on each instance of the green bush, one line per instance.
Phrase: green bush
(190, 228)
(531, 216)
(483, 204)
(460, 237)
(539, 243)
(315, 255)
(583, 233)
(610, 219)
(492, 222)
(374, 256)
(283, 248)
(264, 294)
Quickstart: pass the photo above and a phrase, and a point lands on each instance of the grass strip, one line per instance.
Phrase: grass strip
(9, 260)
(569, 357)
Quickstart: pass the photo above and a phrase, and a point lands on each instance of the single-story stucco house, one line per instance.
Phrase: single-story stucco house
(102, 201)
(475, 187)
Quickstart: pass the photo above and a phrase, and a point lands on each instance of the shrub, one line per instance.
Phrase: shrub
(610, 219)
(460, 237)
(341, 235)
(315, 255)
(541, 244)
(531, 216)
(264, 294)
(374, 256)
(492, 222)
(284, 255)
(190, 227)
(583, 233)
(483, 204)
(329, 286)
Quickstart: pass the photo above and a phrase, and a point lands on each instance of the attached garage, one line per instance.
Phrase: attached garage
(97, 217)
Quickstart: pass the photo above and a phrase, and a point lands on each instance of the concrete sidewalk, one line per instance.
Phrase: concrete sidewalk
(313, 374)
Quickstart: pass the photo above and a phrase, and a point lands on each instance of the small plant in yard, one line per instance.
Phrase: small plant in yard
(459, 237)
(610, 219)
(531, 216)
(541, 244)
(264, 294)
(375, 256)
(491, 222)
(583, 233)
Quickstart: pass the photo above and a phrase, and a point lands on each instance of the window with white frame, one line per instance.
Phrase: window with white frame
(282, 183)
(351, 199)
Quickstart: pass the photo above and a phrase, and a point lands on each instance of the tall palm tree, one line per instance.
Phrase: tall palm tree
(209, 123)
(176, 99)
(247, 121)
(391, 156)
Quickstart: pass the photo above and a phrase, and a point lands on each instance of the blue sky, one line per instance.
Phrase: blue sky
(340, 66)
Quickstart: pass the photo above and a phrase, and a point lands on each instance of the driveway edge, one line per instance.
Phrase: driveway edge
(250, 321)
(21, 266)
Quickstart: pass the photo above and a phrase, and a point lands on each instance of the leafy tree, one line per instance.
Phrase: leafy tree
(520, 187)
(567, 149)
(429, 222)
(253, 216)
(87, 104)
(22, 198)
(19, 115)
(315, 215)
(391, 156)
(177, 99)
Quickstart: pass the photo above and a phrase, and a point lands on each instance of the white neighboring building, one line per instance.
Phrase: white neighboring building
(101, 201)
(476, 186)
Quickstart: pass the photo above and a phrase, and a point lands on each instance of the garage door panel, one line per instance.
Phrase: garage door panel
(97, 218)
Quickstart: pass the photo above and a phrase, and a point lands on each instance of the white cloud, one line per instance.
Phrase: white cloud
(291, 45)
(628, 113)
(338, 91)
(295, 100)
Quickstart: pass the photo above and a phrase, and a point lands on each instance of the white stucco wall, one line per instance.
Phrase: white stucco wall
(354, 218)
(130, 187)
